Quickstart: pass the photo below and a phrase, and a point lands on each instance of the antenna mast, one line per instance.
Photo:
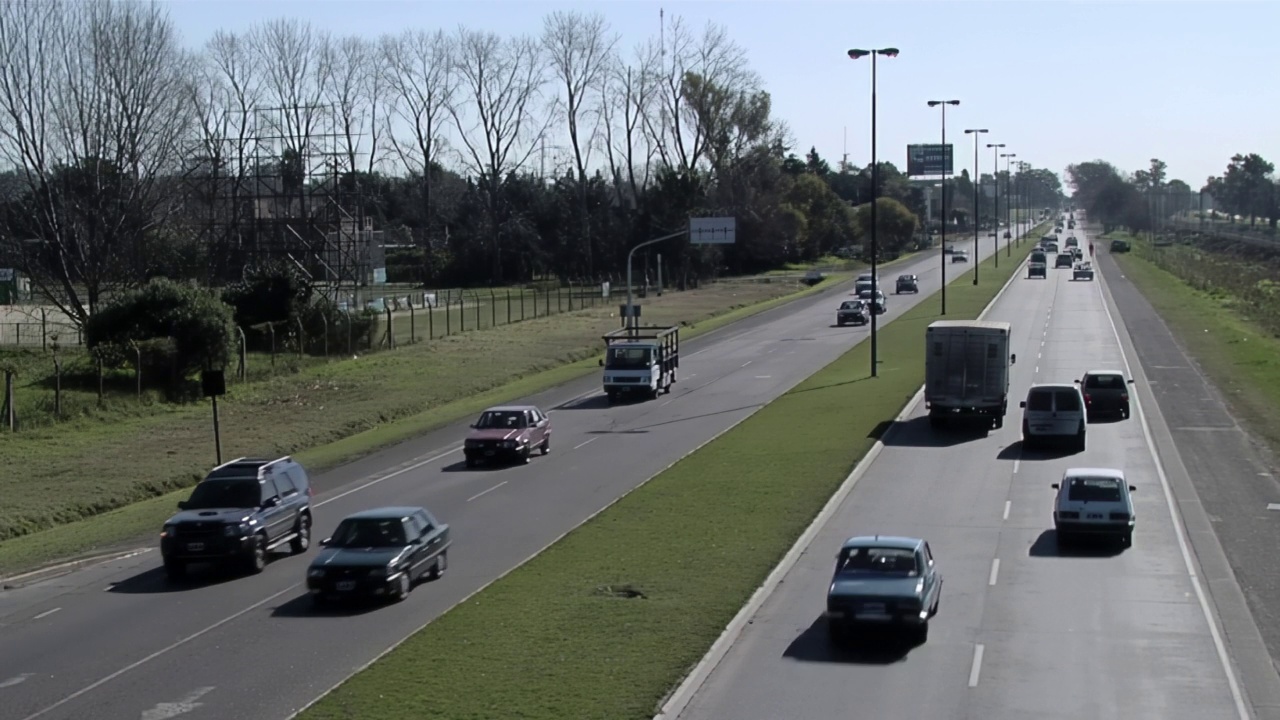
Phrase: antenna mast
(844, 163)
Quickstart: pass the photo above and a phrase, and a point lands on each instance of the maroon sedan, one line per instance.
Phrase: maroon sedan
(508, 433)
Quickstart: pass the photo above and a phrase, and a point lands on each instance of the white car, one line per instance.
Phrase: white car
(1053, 412)
(1094, 501)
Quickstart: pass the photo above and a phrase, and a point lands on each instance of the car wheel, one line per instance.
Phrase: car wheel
(1127, 538)
(301, 535)
(175, 570)
(256, 561)
(1124, 412)
(546, 446)
(997, 422)
(921, 634)
(524, 455)
(403, 587)
(441, 564)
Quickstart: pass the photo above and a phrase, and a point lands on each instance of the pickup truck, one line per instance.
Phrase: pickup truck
(1082, 271)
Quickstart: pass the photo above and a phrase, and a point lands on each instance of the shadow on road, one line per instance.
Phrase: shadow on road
(1011, 452)
(640, 429)
(155, 582)
(826, 387)
(1047, 545)
(872, 648)
(595, 402)
(461, 466)
(1041, 453)
(917, 432)
(303, 606)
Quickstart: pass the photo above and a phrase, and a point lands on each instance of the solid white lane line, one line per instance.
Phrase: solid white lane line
(1008, 504)
(46, 613)
(1017, 463)
(1273, 506)
(995, 572)
(1036, 370)
(746, 363)
(1242, 709)
(486, 492)
(15, 680)
(976, 669)
(95, 685)
(588, 442)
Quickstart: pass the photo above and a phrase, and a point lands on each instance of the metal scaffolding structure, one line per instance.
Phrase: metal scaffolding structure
(285, 191)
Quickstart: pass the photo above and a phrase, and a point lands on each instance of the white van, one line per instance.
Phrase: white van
(1053, 412)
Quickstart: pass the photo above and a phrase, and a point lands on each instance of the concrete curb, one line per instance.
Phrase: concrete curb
(684, 693)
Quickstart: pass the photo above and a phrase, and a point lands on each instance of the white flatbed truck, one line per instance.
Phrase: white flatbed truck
(640, 361)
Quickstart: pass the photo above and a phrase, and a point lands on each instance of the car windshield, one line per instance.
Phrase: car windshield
(501, 420)
(878, 560)
(866, 295)
(225, 493)
(369, 533)
(1083, 489)
(851, 305)
(906, 278)
(628, 358)
(1104, 382)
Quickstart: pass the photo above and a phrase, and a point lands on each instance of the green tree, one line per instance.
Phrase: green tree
(896, 224)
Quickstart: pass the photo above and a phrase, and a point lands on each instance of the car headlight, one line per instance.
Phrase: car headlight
(509, 444)
(315, 573)
(231, 531)
(379, 572)
(169, 531)
(471, 443)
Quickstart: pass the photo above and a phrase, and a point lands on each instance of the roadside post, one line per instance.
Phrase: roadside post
(214, 383)
(701, 231)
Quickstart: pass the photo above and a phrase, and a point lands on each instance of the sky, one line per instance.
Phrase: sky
(1058, 82)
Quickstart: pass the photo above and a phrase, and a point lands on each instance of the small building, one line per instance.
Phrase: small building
(14, 289)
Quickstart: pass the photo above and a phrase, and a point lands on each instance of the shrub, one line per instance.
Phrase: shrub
(178, 329)
(272, 292)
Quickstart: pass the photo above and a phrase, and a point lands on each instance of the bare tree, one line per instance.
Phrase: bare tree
(94, 110)
(346, 90)
(295, 66)
(502, 83)
(579, 49)
(627, 103)
(423, 84)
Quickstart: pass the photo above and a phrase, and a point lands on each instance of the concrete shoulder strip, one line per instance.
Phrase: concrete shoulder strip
(679, 699)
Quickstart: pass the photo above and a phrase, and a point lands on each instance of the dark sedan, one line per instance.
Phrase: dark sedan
(379, 554)
(852, 312)
(907, 284)
(883, 582)
(1106, 392)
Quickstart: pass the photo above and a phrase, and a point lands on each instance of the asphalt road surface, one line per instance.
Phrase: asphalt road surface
(117, 641)
(1023, 630)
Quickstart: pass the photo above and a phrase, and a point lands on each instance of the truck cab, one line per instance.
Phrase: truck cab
(640, 361)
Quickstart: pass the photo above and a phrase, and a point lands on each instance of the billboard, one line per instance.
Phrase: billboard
(930, 160)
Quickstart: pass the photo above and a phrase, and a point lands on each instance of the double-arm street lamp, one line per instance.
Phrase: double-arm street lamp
(995, 209)
(1024, 193)
(942, 212)
(857, 54)
(1008, 206)
(975, 132)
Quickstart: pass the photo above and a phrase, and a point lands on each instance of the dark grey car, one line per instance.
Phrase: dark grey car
(1106, 393)
(883, 582)
(380, 553)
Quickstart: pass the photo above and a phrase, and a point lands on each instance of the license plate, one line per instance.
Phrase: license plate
(1093, 516)
(346, 585)
(195, 547)
(873, 616)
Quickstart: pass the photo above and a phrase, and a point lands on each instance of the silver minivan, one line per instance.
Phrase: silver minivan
(1053, 412)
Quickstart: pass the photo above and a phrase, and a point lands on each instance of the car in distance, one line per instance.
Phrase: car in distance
(1072, 241)
(1037, 265)
(883, 581)
(1082, 271)
(1119, 246)
(907, 284)
(508, 433)
(242, 511)
(379, 553)
(1093, 501)
(1106, 392)
(865, 281)
(958, 256)
(878, 303)
(852, 312)
(813, 277)
(1053, 412)
(1051, 247)
(1063, 260)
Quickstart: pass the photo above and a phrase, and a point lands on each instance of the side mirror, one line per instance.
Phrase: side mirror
(1013, 358)
(326, 542)
(1076, 382)
(1130, 381)
(182, 504)
(1054, 486)
(472, 426)
(1022, 404)
(1133, 489)
(601, 361)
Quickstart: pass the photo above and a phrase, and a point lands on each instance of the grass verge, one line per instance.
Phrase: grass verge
(326, 416)
(555, 639)
(1241, 357)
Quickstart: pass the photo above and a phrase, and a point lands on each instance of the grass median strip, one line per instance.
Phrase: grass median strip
(93, 486)
(605, 622)
(1241, 358)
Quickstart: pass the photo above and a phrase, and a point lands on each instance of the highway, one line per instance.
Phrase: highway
(116, 640)
(1023, 630)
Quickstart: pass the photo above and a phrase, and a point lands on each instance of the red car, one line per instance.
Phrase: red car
(508, 433)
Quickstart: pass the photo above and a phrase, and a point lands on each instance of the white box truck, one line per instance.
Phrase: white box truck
(966, 371)
(640, 361)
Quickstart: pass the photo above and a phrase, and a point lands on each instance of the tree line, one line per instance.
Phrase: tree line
(1141, 200)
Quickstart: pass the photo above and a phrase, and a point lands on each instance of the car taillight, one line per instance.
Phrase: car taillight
(1087, 399)
(1069, 515)
(1124, 396)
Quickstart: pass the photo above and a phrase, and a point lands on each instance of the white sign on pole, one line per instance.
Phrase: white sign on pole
(713, 231)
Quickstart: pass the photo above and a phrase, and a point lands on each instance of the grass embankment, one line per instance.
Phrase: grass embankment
(1220, 320)
(81, 487)
(550, 640)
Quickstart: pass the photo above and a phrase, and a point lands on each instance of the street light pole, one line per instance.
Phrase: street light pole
(975, 132)
(942, 212)
(1008, 207)
(630, 315)
(995, 208)
(856, 54)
